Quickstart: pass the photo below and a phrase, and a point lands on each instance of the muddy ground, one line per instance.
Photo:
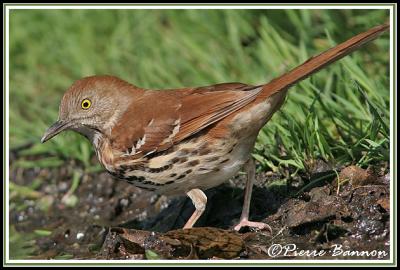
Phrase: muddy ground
(105, 218)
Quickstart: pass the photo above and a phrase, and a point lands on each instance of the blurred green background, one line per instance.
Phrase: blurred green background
(340, 115)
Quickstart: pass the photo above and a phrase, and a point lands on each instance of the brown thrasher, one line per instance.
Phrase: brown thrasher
(183, 140)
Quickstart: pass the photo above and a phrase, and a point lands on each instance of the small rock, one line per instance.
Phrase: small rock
(194, 243)
(320, 208)
(319, 193)
(384, 202)
(385, 179)
(124, 202)
(79, 235)
(319, 166)
(63, 186)
(357, 176)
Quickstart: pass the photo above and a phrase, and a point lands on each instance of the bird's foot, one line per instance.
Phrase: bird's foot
(252, 224)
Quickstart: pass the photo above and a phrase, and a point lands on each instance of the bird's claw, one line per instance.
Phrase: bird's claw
(252, 224)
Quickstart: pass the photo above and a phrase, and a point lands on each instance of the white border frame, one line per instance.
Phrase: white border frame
(393, 34)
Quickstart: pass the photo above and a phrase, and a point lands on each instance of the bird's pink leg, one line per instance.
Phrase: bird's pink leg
(199, 200)
(250, 169)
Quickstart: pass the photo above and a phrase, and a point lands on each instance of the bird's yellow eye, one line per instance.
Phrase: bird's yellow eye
(86, 103)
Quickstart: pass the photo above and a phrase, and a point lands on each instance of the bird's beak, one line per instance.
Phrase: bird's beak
(56, 128)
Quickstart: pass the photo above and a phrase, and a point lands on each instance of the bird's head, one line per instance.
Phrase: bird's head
(92, 104)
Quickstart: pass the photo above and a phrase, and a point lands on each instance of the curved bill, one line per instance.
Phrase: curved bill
(54, 129)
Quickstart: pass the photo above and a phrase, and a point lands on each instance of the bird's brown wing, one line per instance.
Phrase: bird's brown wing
(160, 119)
(207, 105)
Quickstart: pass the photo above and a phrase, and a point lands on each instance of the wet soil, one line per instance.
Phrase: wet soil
(105, 218)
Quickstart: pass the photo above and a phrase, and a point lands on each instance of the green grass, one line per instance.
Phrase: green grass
(22, 245)
(340, 115)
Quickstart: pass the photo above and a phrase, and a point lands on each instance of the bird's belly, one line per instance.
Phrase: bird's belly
(209, 180)
(191, 165)
(212, 170)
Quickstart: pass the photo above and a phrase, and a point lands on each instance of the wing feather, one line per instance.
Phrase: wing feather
(160, 119)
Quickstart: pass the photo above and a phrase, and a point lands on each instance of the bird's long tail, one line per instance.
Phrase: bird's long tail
(315, 63)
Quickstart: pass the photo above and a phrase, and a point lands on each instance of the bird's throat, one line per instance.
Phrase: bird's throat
(91, 134)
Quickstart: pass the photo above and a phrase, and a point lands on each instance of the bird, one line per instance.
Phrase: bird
(186, 140)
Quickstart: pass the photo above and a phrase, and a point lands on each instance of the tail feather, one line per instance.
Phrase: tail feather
(320, 61)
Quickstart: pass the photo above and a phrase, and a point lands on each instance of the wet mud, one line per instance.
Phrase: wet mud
(345, 217)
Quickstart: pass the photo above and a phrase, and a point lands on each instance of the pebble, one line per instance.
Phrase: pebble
(79, 235)
(124, 202)
(21, 217)
(63, 186)
(357, 176)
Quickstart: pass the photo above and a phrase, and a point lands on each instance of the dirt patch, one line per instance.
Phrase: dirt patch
(110, 219)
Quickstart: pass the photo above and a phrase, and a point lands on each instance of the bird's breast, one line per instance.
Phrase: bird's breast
(193, 163)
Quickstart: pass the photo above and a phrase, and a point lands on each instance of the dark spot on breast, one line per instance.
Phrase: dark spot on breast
(133, 178)
(225, 160)
(160, 169)
(204, 151)
(215, 158)
(172, 175)
(233, 147)
(182, 160)
(181, 176)
(127, 168)
(152, 183)
(169, 182)
(123, 167)
(179, 160)
(188, 171)
(194, 162)
(185, 151)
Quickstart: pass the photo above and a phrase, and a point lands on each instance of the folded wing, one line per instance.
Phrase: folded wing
(159, 119)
